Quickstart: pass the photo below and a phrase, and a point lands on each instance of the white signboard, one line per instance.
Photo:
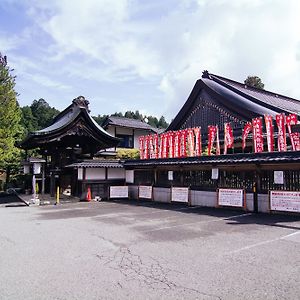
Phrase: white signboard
(285, 201)
(231, 197)
(118, 192)
(214, 173)
(180, 194)
(170, 175)
(145, 192)
(278, 177)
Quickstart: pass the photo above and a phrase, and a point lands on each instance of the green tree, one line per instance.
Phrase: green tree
(254, 81)
(10, 116)
(28, 121)
(43, 113)
(100, 118)
(162, 123)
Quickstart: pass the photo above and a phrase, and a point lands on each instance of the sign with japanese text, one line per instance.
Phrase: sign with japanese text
(285, 201)
(145, 192)
(180, 194)
(231, 197)
(118, 192)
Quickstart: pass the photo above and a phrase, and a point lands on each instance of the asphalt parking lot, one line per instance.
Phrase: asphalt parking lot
(144, 250)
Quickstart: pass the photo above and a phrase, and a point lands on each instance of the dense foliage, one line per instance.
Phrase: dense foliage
(254, 81)
(152, 121)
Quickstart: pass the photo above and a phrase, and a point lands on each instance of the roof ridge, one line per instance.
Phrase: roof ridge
(263, 91)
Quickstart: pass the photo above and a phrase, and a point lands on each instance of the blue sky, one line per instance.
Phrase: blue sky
(146, 55)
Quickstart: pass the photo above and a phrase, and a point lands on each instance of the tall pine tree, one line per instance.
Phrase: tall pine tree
(10, 116)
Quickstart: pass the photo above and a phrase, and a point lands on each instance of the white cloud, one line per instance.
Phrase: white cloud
(169, 44)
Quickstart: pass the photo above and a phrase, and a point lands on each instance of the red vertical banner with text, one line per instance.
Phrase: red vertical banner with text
(146, 147)
(270, 132)
(247, 129)
(155, 144)
(258, 140)
(176, 143)
(160, 146)
(141, 141)
(281, 139)
(151, 147)
(182, 151)
(171, 144)
(198, 142)
(190, 142)
(296, 140)
(165, 145)
(213, 134)
(228, 137)
(292, 120)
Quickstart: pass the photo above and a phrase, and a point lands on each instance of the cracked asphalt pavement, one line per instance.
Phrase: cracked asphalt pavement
(146, 250)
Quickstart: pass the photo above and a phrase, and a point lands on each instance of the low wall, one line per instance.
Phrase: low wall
(263, 203)
(133, 192)
(162, 194)
(203, 198)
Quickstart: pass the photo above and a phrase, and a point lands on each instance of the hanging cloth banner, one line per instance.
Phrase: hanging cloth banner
(257, 135)
(183, 134)
(176, 143)
(146, 147)
(198, 142)
(270, 132)
(213, 133)
(141, 140)
(247, 129)
(292, 120)
(295, 136)
(151, 146)
(190, 142)
(228, 137)
(165, 145)
(171, 143)
(281, 139)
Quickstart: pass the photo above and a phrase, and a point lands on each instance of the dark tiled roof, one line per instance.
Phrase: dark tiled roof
(104, 163)
(230, 159)
(280, 101)
(127, 122)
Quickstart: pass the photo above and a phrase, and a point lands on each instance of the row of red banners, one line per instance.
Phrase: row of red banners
(187, 142)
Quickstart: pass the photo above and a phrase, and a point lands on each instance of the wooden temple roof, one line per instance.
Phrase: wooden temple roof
(72, 127)
(234, 101)
(127, 123)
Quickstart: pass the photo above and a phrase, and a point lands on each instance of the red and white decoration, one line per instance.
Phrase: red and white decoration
(270, 132)
(257, 135)
(280, 121)
(228, 137)
(187, 142)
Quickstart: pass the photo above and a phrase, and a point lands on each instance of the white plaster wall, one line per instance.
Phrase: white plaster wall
(250, 202)
(203, 198)
(162, 194)
(263, 203)
(115, 173)
(121, 130)
(94, 173)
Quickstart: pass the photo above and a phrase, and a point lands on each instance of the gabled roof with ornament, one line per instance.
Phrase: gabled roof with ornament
(72, 127)
(235, 99)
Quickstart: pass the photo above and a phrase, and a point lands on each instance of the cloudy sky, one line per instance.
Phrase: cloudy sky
(146, 55)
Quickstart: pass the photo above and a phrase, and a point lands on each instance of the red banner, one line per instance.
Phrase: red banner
(171, 144)
(182, 151)
(247, 129)
(281, 139)
(146, 147)
(228, 137)
(141, 141)
(213, 133)
(292, 120)
(295, 136)
(190, 142)
(155, 142)
(176, 143)
(257, 135)
(165, 145)
(198, 143)
(270, 132)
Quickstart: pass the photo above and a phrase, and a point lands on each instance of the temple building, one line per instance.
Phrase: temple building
(195, 162)
(73, 136)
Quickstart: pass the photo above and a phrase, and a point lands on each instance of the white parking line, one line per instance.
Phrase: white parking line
(265, 242)
(198, 222)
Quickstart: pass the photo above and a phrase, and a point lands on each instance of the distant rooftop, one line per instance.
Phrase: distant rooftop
(127, 122)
